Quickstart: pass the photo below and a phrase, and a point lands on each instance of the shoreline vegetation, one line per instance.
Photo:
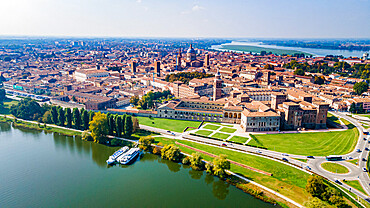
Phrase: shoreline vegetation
(256, 49)
(233, 180)
(287, 180)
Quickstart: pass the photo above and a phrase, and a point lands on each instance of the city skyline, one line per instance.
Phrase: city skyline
(186, 19)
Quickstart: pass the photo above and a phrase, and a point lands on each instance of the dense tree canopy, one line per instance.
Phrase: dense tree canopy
(99, 127)
(185, 77)
(299, 72)
(2, 96)
(27, 109)
(360, 87)
(171, 152)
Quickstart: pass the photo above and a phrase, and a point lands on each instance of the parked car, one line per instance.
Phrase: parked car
(364, 169)
(364, 138)
(363, 159)
(358, 150)
(349, 158)
(284, 159)
(258, 151)
(224, 145)
(367, 149)
(308, 167)
(310, 157)
(337, 181)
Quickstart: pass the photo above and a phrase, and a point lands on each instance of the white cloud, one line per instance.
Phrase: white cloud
(197, 8)
(139, 1)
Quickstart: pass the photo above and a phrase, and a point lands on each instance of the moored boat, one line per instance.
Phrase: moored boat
(113, 158)
(129, 156)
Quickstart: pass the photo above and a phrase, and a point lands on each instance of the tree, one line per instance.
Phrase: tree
(46, 118)
(76, 118)
(220, 164)
(269, 67)
(85, 119)
(171, 152)
(299, 72)
(99, 127)
(61, 117)
(91, 115)
(2, 96)
(135, 124)
(128, 126)
(315, 186)
(360, 87)
(196, 161)
(352, 108)
(119, 126)
(69, 117)
(319, 80)
(209, 168)
(145, 143)
(134, 99)
(28, 109)
(54, 115)
(111, 123)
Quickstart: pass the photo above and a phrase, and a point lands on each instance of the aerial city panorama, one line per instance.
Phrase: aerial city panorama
(143, 103)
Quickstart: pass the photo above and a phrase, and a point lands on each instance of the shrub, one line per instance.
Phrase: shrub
(185, 161)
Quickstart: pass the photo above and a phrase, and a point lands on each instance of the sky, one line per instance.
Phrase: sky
(187, 18)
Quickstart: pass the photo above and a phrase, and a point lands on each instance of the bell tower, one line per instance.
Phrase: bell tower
(217, 86)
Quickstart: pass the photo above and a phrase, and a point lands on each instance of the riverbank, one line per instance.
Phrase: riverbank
(243, 185)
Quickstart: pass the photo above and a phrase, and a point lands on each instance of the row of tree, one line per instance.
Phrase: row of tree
(343, 68)
(147, 101)
(185, 77)
(104, 124)
(171, 152)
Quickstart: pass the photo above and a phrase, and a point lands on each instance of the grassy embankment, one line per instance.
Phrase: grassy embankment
(286, 180)
(334, 167)
(317, 143)
(356, 184)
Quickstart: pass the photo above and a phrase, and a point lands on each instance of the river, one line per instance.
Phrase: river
(314, 51)
(49, 170)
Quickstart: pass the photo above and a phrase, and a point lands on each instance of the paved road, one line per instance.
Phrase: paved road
(314, 165)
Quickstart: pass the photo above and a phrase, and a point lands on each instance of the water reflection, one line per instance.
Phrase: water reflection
(5, 127)
(209, 179)
(194, 174)
(220, 189)
(172, 166)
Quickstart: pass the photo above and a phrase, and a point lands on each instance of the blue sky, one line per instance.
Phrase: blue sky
(186, 18)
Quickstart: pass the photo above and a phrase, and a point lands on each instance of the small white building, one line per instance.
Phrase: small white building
(84, 74)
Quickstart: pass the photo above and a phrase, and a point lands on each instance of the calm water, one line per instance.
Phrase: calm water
(315, 51)
(49, 170)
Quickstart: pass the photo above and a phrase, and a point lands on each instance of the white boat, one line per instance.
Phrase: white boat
(129, 156)
(113, 158)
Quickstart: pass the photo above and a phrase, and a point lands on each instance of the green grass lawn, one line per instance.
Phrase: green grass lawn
(142, 133)
(317, 143)
(286, 180)
(332, 118)
(303, 160)
(5, 109)
(211, 127)
(221, 135)
(204, 132)
(239, 139)
(228, 130)
(334, 167)
(356, 184)
(168, 124)
(354, 161)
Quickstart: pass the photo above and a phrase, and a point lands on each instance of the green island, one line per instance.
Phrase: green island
(355, 184)
(220, 135)
(334, 167)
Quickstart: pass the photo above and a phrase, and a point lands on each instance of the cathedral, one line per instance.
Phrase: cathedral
(191, 59)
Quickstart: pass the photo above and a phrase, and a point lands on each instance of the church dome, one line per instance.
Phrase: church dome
(191, 50)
